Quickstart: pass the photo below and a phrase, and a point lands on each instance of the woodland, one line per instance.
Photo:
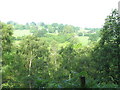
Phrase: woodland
(39, 55)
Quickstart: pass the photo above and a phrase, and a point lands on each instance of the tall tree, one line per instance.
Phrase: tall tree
(7, 54)
(106, 53)
(33, 53)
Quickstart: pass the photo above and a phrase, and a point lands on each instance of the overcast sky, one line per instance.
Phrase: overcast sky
(82, 13)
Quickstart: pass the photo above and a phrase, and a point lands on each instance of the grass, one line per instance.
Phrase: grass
(83, 40)
(52, 34)
(20, 33)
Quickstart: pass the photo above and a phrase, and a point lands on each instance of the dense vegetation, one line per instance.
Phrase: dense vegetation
(53, 56)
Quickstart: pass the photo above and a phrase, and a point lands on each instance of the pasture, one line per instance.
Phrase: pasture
(20, 33)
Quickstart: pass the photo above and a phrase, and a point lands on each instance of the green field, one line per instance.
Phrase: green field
(83, 40)
(20, 33)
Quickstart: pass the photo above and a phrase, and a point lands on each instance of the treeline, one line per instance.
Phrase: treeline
(51, 28)
(35, 63)
(93, 29)
(63, 32)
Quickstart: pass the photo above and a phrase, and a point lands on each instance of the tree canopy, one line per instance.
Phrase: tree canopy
(55, 57)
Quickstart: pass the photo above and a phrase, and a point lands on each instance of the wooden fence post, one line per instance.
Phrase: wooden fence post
(82, 80)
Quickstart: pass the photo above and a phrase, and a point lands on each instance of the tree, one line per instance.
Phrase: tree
(60, 28)
(19, 27)
(27, 26)
(51, 29)
(11, 22)
(7, 54)
(106, 53)
(80, 34)
(94, 37)
(33, 53)
(68, 29)
(40, 33)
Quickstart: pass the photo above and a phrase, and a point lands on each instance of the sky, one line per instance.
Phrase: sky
(82, 13)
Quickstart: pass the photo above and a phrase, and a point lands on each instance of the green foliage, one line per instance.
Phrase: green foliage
(59, 38)
(6, 36)
(68, 29)
(94, 37)
(34, 55)
(80, 34)
(50, 59)
(93, 29)
(106, 53)
(7, 55)
(40, 33)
